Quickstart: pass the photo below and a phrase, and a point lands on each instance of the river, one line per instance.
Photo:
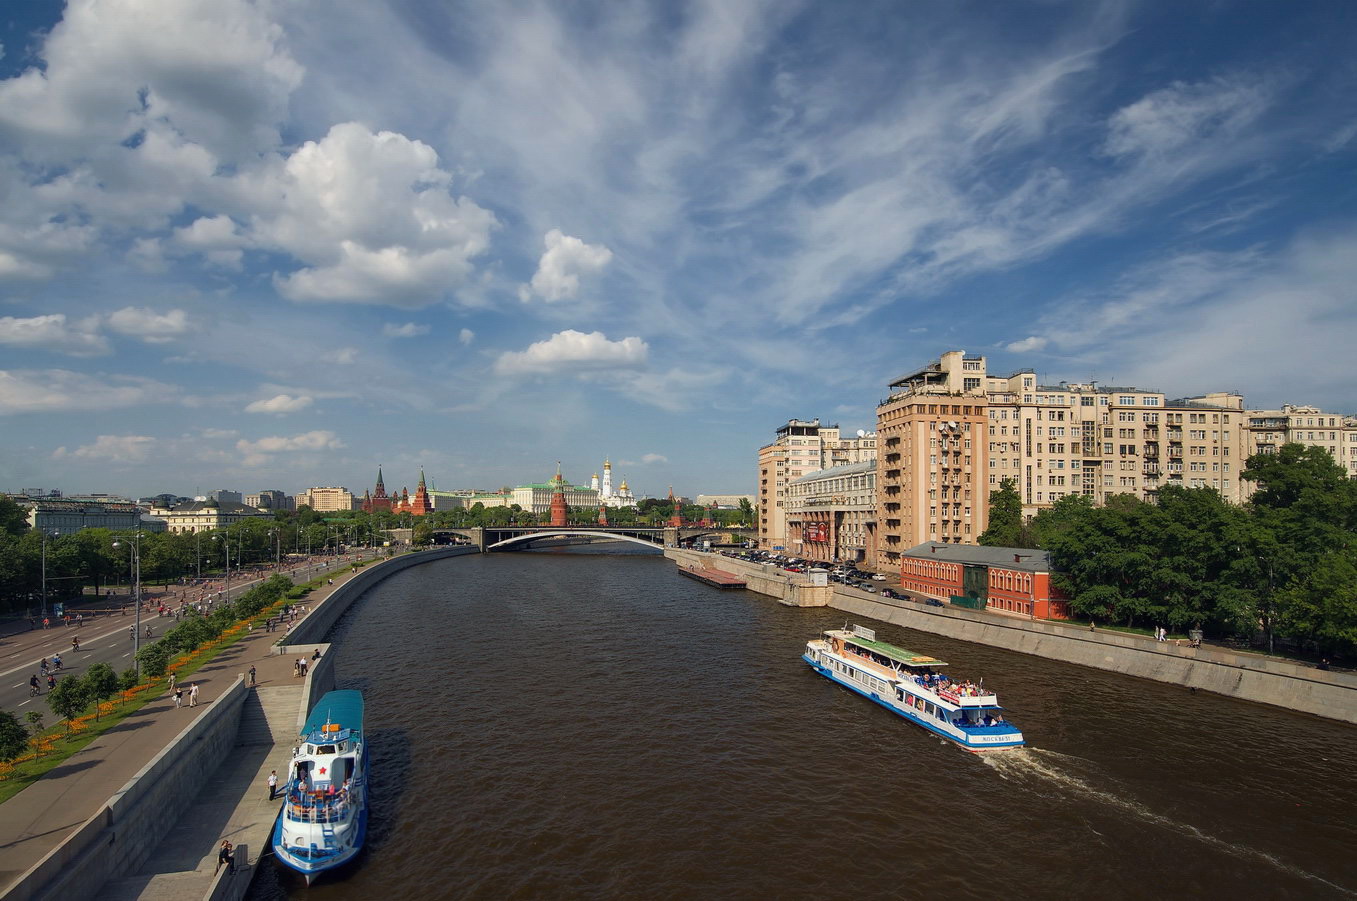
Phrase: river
(587, 723)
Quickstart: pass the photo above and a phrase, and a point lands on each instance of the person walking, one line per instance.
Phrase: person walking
(178, 697)
(193, 695)
(273, 784)
(172, 680)
(251, 674)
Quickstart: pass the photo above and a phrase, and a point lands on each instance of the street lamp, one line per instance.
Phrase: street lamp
(198, 552)
(54, 534)
(226, 546)
(136, 626)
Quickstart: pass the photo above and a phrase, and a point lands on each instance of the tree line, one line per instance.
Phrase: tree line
(1278, 569)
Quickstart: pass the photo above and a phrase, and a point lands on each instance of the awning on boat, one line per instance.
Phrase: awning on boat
(899, 655)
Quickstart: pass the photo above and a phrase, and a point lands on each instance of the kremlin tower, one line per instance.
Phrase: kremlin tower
(378, 500)
(559, 510)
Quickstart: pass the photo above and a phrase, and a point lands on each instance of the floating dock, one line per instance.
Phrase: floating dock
(713, 577)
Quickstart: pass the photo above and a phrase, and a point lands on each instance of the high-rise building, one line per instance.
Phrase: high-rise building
(831, 514)
(801, 447)
(269, 499)
(225, 494)
(931, 465)
(1265, 431)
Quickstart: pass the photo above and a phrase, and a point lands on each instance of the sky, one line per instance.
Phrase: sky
(277, 244)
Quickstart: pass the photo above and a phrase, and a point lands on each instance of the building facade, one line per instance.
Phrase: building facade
(66, 516)
(269, 499)
(1265, 431)
(1014, 580)
(831, 514)
(800, 447)
(610, 495)
(932, 470)
(536, 497)
(328, 499)
(204, 516)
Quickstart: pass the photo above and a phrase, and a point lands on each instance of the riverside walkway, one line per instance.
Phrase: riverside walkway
(38, 819)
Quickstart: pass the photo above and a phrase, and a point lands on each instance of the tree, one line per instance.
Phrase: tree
(68, 699)
(1006, 528)
(13, 736)
(35, 726)
(13, 518)
(423, 533)
(746, 511)
(101, 683)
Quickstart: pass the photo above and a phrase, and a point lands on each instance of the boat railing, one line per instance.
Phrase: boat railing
(968, 697)
(315, 807)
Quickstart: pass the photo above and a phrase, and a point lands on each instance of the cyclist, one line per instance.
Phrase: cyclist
(132, 632)
(33, 685)
(75, 643)
(42, 666)
(56, 662)
(51, 681)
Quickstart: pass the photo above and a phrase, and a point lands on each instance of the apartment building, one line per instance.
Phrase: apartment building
(800, 447)
(932, 469)
(1057, 440)
(1265, 431)
(328, 499)
(831, 514)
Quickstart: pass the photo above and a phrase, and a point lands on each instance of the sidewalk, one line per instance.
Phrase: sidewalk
(39, 818)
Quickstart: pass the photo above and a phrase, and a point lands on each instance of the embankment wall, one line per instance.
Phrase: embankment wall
(1252, 677)
(118, 839)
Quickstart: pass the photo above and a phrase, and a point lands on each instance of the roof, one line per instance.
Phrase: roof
(222, 506)
(898, 654)
(836, 471)
(1032, 560)
(344, 707)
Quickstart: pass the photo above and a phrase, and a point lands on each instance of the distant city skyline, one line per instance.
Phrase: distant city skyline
(262, 245)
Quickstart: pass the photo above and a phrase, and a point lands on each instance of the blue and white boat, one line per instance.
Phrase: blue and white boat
(909, 684)
(325, 810)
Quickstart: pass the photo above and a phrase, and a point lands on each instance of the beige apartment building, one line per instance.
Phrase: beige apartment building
(1265, 431)
(328, 499)
(932, 470)
(1057, 440)
(801, 447)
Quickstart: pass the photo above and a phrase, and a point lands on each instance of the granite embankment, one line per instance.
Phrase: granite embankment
(1252, 677)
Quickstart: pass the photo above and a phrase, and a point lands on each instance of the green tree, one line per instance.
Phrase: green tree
(423, 534)
(746, 512)
(35, 726)
(13, 518)
(13, 736)
(101, 683)
(68, 699)
(1006, 528)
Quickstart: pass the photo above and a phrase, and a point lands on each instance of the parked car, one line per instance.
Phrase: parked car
(934, 602)
(878, 577)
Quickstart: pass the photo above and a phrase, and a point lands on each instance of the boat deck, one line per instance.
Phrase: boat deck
(715, 577)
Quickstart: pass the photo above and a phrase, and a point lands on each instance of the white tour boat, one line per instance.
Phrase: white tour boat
(909, 684)
(325, 811)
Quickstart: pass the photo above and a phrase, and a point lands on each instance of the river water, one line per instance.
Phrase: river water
(587, 723)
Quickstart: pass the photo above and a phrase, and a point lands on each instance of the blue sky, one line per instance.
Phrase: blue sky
(274, 244)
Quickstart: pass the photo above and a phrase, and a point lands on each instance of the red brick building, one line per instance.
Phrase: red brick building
(1012, 579)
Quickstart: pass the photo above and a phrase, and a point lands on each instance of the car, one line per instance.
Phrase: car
(934, 602)
(878, 577)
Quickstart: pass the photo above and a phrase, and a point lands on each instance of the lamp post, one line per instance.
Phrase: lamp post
(226, 546)
(198, 552)
(44, 569)
(135, 547)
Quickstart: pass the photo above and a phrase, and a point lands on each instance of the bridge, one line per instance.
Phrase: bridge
(513, 538)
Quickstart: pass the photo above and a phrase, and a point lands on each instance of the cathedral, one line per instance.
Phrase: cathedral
(607, 495)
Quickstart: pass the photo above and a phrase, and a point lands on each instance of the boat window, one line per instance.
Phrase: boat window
(310, 749)
(325, 749)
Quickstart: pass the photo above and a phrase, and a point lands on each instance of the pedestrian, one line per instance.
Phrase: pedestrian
(226, 856)
(252, 674)
(178, 697)
(305, 664)
(193, 695)
(316, 656)
(273, 784)
(172, 680)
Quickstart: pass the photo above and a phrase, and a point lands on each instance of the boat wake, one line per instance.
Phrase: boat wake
(1043, 769)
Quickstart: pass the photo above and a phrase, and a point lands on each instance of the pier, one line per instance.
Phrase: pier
(713, 577)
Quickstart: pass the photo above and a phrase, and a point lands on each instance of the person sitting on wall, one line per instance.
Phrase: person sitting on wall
(226, 855)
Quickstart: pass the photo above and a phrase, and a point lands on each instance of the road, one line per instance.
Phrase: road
(103, 639)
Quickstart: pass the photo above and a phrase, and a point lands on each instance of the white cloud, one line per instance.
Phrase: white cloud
(113, 448)
(280, 404)
(371, 215)
(345, 356)
(558, 272)
(1168, 119)
(53, 332)
(654, 458)
(148, 325)
(256, 453)
(1029, 344)
(574, 352)
(466, 336)
(60, 391)
(408, 330)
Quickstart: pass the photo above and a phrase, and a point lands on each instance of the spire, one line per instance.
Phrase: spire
(380, 485)
(421, 479)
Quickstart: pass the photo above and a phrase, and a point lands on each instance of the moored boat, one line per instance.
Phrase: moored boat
(324, 817)
(910, 685)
